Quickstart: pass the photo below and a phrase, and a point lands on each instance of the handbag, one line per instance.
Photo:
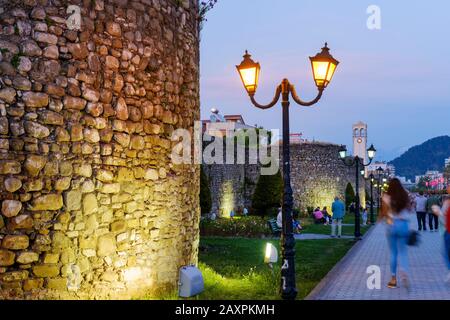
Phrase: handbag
(413, 238)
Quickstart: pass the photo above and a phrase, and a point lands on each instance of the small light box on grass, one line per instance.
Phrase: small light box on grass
(191, 282)
(271, 255)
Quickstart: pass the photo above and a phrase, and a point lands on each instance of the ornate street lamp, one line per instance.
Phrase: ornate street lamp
(357, 162)
(323, 67)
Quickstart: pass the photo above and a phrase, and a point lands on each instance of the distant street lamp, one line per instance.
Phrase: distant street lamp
(372, 180)
(323, 66)
(380, 173)
(357, 162)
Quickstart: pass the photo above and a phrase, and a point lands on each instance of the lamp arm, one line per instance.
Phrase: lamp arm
(304, 103)
(271, 104)
(368, 164)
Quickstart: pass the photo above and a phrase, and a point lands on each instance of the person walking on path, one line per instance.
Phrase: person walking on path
(395, 211)
(444, 228)
(421, 210)
(338, 210)
(433, 200)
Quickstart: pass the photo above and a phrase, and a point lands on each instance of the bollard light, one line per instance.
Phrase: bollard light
(271, 255)
(190, 282)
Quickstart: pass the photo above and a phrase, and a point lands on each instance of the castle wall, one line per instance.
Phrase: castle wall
(317, 176)
(92, 206)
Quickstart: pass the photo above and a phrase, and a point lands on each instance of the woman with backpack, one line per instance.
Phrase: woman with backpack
(395, 211)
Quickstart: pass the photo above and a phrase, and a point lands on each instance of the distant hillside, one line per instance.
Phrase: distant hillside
(430, 155)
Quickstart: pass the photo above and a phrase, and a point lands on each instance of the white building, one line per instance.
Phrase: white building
(223, 125)
(406, 182)
(447, 162)
(388, 169)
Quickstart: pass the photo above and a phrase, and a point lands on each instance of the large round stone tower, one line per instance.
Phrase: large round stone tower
(90, 92)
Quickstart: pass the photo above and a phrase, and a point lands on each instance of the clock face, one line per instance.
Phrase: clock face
(359, 140)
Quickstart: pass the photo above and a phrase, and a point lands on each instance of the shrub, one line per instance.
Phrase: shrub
(205, 193)
(268, 193)
(349, 195)
(249, 227)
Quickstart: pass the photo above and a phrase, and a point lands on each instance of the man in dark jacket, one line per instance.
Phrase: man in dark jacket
(433, 200)
(421, 210)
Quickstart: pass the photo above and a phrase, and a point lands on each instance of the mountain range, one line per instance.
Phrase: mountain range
(429, 155)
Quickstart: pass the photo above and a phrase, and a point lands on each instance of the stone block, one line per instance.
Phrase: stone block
(11, 208)
(106, 245)
(72, 200)
(90, 204)
(47, 202)
(26, 257)
(45, 271)
(6, 258)
(15, 242)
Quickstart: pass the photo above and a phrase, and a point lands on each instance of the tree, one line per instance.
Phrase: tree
(368, 198)
(423, 183)
(268, 193)
(349, 195)
(205, 193)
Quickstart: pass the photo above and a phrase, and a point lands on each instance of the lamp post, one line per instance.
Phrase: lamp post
(372, 180)
(323, 66)
(357, 162)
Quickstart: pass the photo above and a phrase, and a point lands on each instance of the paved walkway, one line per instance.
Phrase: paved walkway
(347, 280)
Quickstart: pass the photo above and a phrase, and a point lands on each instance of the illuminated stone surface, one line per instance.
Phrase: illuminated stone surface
(85, 120)
(317, 176)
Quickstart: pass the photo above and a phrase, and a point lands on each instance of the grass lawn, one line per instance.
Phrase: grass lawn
(233, 268)
(309, 226)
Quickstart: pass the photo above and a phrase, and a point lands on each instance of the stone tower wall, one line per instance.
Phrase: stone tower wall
(317, 176)
(91, 205)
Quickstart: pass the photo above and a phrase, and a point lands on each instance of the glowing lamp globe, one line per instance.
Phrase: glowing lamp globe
(342, 152)
(371, 152)
(249, 72)
(323, 66)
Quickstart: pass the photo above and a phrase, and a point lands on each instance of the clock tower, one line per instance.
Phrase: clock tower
(360, 140)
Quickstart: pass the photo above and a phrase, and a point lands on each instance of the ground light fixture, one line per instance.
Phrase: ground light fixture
(271, 254)
(323, 67)
(190, 281)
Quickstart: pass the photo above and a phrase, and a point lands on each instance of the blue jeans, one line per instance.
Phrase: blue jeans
(447, 248)
(397, 234)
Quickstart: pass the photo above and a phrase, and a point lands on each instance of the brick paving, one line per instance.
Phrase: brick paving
(347, 280)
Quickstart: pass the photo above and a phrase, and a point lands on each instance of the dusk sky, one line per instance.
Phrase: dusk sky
(396, 79)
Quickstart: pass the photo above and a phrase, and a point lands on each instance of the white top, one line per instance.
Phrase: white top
(279, 219)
